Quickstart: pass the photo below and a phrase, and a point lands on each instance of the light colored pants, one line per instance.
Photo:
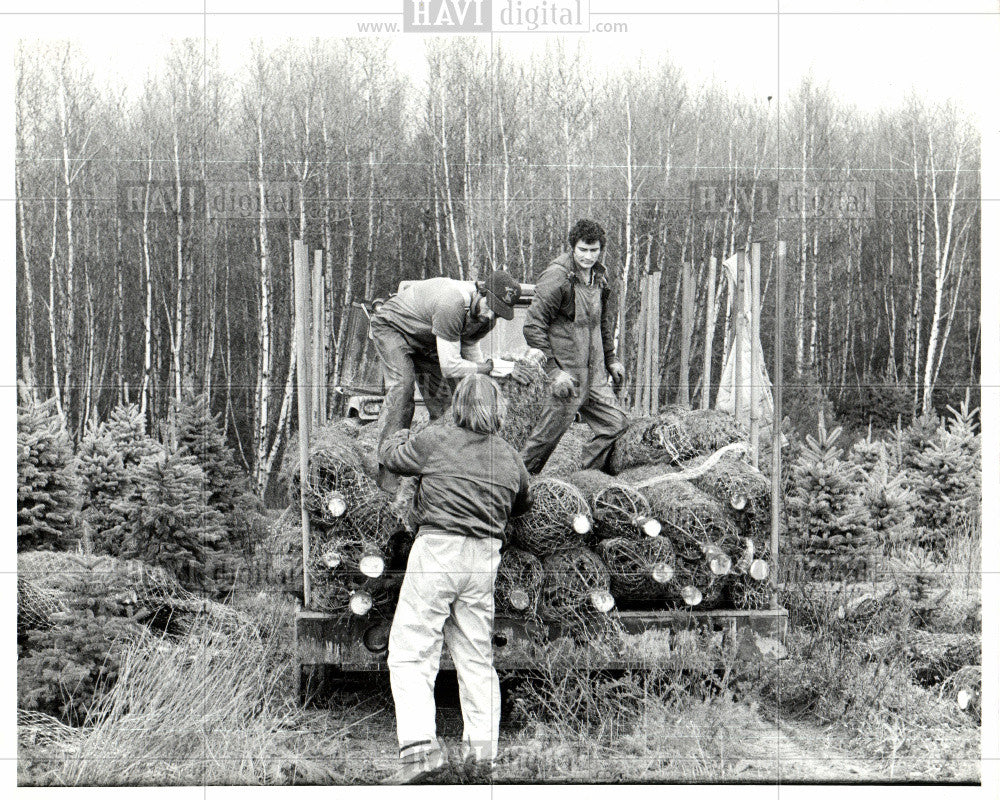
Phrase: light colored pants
(447, 595)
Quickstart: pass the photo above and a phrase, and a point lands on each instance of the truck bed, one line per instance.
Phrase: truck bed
(518, 643)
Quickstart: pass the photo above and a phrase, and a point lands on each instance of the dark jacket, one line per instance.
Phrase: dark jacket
(470, 483)
(554, 302)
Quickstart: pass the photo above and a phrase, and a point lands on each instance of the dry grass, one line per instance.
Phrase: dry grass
(213, 707)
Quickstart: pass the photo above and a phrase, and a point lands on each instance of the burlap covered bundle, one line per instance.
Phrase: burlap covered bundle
(617, 508)
(519, 582)
(576, 587)
(558, 520)
(640, 568)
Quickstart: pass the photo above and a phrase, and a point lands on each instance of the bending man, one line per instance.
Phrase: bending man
(428, 335)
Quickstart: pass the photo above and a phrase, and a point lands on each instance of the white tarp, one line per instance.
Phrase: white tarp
(726, 398)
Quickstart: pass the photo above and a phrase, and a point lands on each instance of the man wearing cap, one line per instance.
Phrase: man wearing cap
(428, 335)
(572, 321)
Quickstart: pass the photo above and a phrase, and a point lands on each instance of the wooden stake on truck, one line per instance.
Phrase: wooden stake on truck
(779, 322)
(302, 318)
(755, 367)
(687, 328)
(318, 376)
(739, 329)
(710, 314)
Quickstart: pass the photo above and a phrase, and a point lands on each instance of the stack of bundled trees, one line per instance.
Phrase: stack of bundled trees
(676, 528)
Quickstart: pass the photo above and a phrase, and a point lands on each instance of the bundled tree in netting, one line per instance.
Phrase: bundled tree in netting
(576, 588)
(350, 593)
(95, 605)
(198, 434)
(568, 455)
(48, 486)
(710, 429)
(695, 522)
(170, 524)
(527, 391)
(742, 489)
(653, 440)
(617, 508)
(827, 521)
(641, 569)
(559, 519)
(519, 582)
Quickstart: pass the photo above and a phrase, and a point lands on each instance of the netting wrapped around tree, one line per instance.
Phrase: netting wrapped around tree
(744, 490)
(711, 429)
(349, 594)
(576, 588)
(339, 479)
(35, 606)
(691, 518)
(558, 520)
(640, 569)
(617, 508)
(653, 440)
(568, 455)
(519, 582)
(527, 392)
(110, 586)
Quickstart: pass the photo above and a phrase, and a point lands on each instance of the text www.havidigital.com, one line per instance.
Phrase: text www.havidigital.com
(488, 16)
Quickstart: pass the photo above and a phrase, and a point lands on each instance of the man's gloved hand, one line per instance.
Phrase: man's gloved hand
(564, 384)
(617, 370)
(485, 367)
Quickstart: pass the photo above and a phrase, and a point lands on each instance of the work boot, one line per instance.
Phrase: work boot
(419, 768)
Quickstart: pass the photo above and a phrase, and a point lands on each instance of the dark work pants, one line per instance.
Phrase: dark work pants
(404, 367)
(599, 410)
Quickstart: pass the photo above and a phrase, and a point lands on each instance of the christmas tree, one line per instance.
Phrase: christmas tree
(827, 521)
(104, 481)
(170, 524)
(48, 487)
(126, 429)
(199, 435)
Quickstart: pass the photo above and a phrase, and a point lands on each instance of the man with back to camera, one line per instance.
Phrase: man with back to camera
(471, 482)
(572, 321)
(430, 332)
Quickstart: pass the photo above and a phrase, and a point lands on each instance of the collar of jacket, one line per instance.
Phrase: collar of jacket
(600, 271)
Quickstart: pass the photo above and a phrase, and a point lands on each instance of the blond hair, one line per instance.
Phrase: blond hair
(478, 404)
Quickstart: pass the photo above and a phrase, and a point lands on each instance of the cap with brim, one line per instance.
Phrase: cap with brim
(502, 291)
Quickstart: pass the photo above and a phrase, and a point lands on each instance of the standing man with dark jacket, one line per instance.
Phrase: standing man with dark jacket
(572, 321)
(428, 335)
(471, 481)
